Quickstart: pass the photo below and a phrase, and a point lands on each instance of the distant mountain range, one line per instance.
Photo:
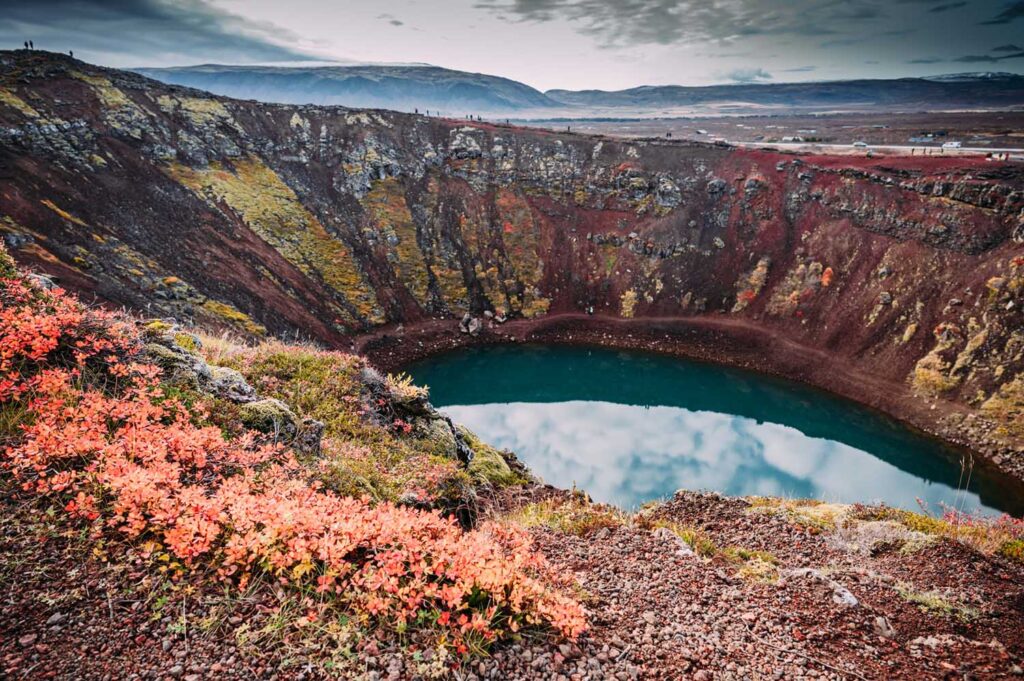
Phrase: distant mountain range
(409, 87)
(390, 86)
(959, 91)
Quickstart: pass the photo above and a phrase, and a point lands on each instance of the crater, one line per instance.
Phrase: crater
(630, 427)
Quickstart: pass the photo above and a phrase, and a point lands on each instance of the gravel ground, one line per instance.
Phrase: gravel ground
(826, 603)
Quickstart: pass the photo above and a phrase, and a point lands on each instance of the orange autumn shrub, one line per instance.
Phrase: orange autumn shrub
(98, 432)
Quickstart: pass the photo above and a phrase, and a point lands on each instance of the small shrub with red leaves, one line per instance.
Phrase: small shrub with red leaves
(96, 429)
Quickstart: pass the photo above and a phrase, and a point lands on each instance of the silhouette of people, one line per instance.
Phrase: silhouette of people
(71, 53)
(26, 44)
(31, 45)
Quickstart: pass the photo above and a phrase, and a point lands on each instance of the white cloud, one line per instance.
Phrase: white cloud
(627, 454)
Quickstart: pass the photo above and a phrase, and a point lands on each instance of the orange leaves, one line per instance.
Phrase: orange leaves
(44, 332)
(104, 438)
(827, 276)
(83, 506)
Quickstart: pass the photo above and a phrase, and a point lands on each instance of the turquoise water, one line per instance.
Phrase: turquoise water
(632, 427)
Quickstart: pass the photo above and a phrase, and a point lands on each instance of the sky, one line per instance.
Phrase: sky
(569, 44)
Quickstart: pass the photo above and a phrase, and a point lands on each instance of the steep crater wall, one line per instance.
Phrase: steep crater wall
(904, 274)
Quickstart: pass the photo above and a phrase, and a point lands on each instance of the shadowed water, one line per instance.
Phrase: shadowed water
(630, 427)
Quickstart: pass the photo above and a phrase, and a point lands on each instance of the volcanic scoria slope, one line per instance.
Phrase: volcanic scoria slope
(896, 281)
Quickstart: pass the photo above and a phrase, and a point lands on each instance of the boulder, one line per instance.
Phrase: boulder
(180, 367)
(717, 186)
(231, 385)
(681, 548)
(42, 282)
(438, 430)
(882, 627)
(667, 193)
(270, 416)
(489, 465)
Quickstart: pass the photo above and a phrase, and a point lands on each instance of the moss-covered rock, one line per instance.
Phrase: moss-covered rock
(439, 436)
(155, 328)
(381, 436)
(181, 368)
(231, 385)
(8, 270)
(188, 341)
(270, 416)
(488, 465)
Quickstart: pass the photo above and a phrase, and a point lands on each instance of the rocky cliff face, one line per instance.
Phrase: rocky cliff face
(328, 222)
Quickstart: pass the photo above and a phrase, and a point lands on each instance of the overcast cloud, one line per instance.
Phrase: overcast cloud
(607, 44)
(146, 32)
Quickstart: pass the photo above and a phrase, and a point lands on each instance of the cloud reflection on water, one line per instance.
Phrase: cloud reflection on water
(626, 455)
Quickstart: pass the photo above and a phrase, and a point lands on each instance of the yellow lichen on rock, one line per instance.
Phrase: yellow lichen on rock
(909, 332)
(443, 262)
(200, 111)
(109, 94)
(272, 210)
(534, 304)
(119, 111)
(965, 358)
(519, 236)
(751, 285)
(477, 239)
(63, 213)
(802, 281)
(9, 99)
(933, 373)
(390, 217)
(1006, 408)
(628, 306)
(233, 316)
